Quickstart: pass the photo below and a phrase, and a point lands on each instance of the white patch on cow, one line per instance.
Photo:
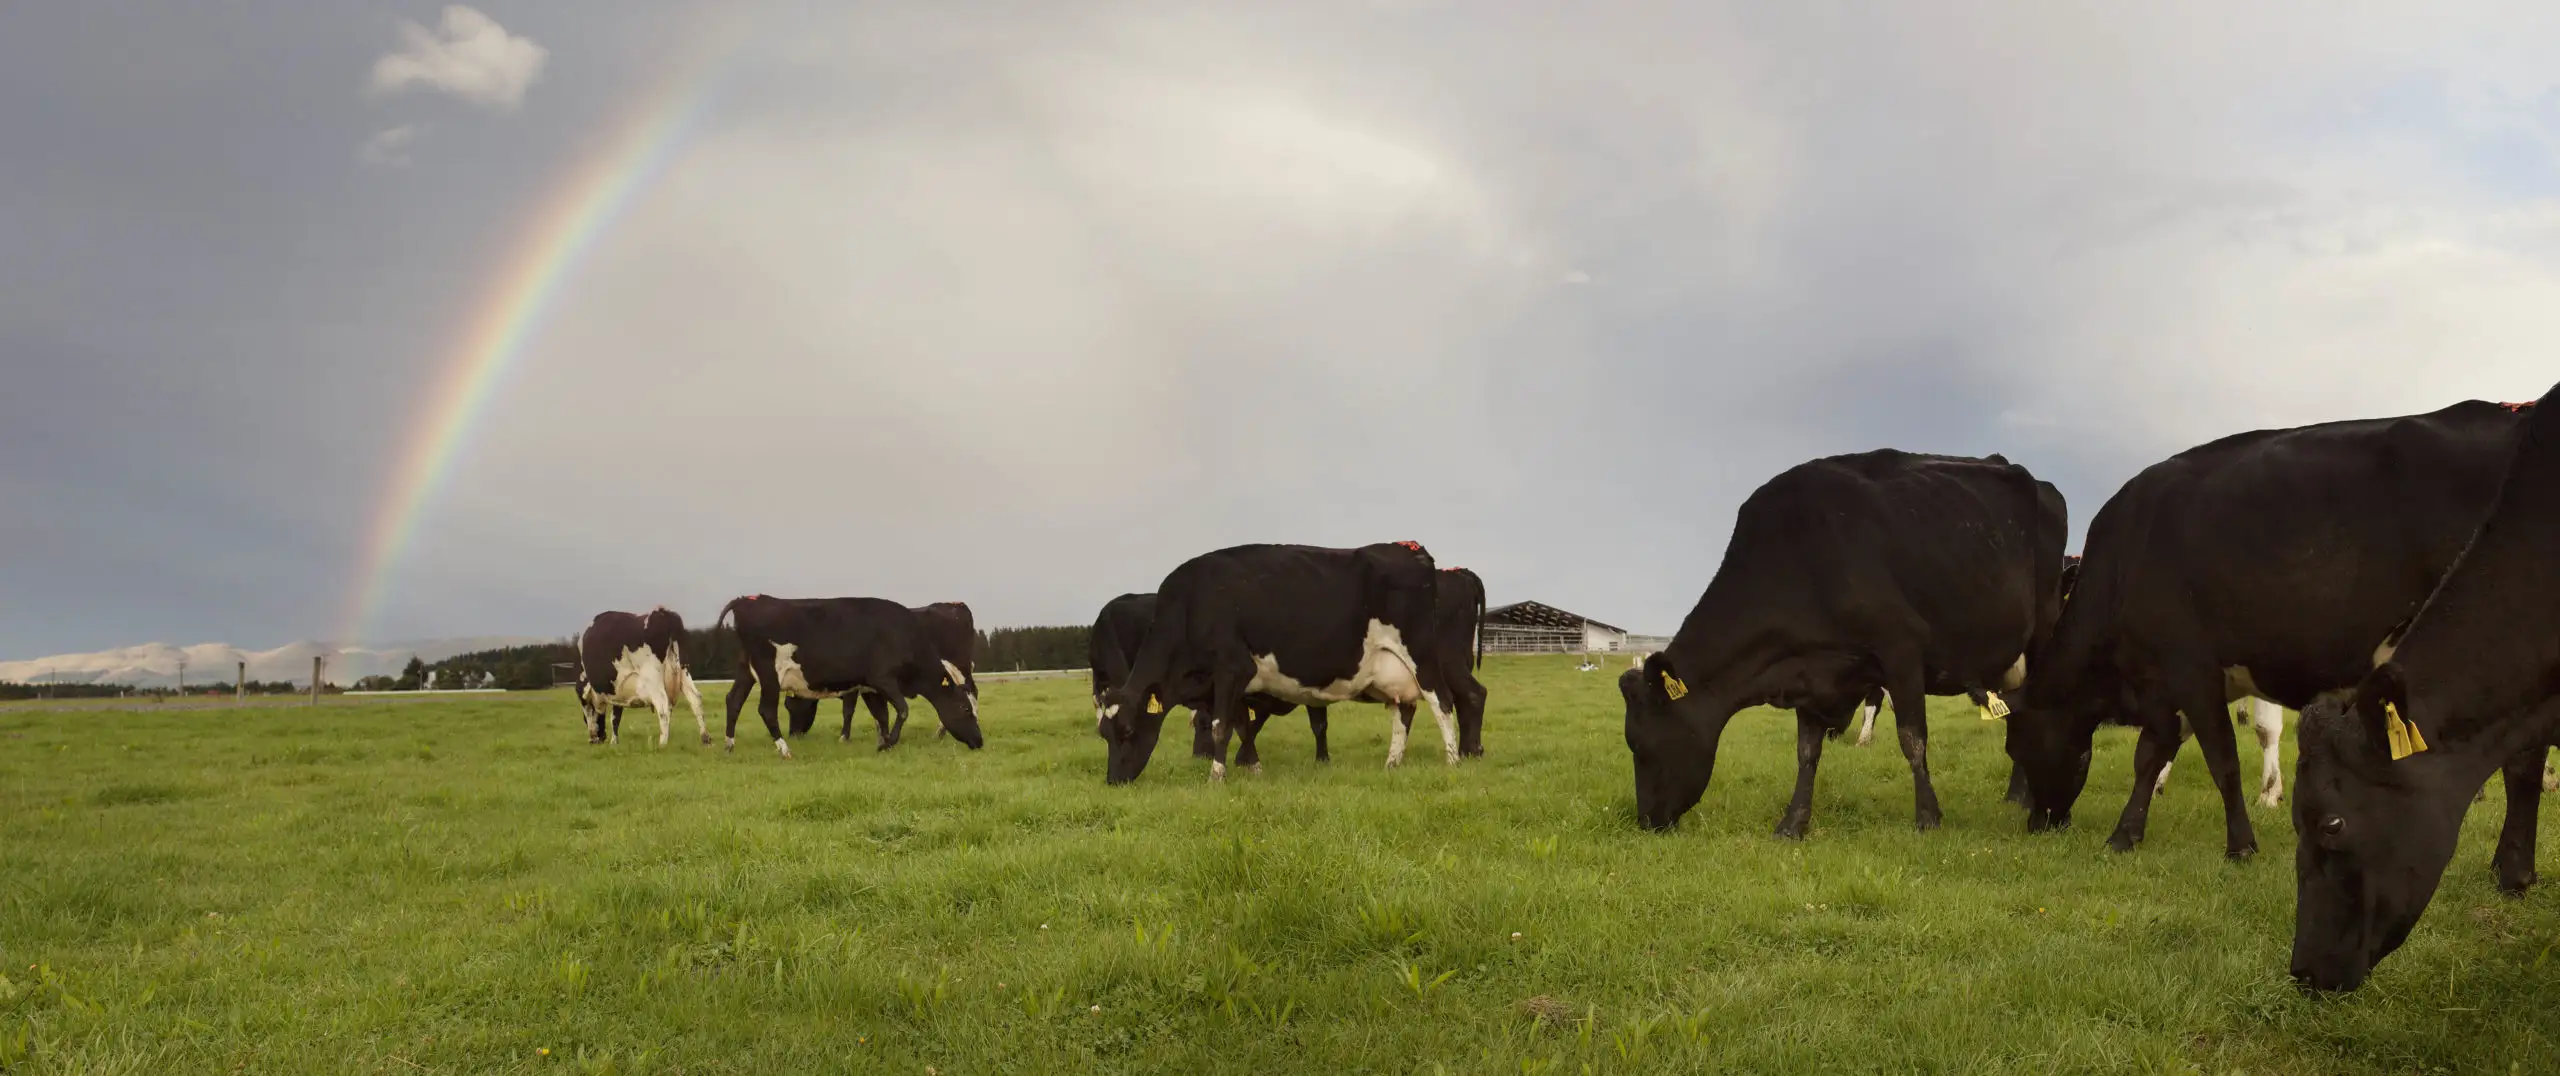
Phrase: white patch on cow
(2016, 676)
(2382, 651)
(1386, 673)
(639, 679)
(793, 681)
(1866, 723)
(1448, 726)
(2267, 720)
(1217, 771)
(1395, 737)
(1111, 711)
(780, 745)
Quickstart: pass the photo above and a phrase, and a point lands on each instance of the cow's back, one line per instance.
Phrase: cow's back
(2288, 552)
(1310, 603)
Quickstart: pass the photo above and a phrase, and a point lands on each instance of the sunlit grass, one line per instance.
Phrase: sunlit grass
(455, 886)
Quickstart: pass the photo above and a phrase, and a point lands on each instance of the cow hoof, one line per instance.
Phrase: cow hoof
(706, 739)
(783, 747)
(2241, 852)
(2271, 802)
(1791, 828)
(2515, 887)
(1926, 822)
(1256, 768)
(1217, 771)
(2121, 841)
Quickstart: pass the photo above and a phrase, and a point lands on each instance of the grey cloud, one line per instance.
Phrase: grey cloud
(468, 56)
(1022, 304)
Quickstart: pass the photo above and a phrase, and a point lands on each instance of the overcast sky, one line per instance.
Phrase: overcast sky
(1024, 303)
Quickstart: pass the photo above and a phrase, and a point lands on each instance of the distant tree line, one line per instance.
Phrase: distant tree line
(10, 690)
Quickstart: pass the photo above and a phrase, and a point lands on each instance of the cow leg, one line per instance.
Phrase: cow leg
(747, 680)
(614, 735)
(2267, 720)
(1906, 684)
(1867, 721)
(1226, 709)
(1249, 755)
(654, 690)
(768, 707)
(1317, 721)
(2208, 712)
(1810, 732)
(1200, 744)
(693, 702)
(1448, 723)
(1399, 727)
(2159, 743)
(879, 707)
(897, 731)
(2513, 861)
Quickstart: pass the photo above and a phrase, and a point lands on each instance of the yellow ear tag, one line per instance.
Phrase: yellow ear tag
(1997, 709)
(1672, 686)
(946, 681)
(1153, 706)
(2405, 740)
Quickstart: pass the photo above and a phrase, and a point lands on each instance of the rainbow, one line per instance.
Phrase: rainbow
(509, 315)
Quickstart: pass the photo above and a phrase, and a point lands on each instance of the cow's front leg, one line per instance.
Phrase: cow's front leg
(897, 731)
(1810, 730)
(1249, 754)
(1317, 720)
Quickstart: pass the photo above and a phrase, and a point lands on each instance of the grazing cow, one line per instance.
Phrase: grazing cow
(626, 660)
(2465, 690)
(2264, 564)
(1918, 574)
(954, 632)
(1304, 625)
(824, 648)
(1117, 633)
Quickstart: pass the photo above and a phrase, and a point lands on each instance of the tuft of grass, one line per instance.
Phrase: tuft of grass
(456, 885)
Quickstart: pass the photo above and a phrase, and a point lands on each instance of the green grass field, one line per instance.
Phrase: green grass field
(461, 886)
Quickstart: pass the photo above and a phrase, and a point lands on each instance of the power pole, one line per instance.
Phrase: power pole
(315, 679)
(182, 677)
(240, 689)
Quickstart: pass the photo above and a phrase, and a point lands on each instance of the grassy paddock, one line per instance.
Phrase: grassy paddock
(459, 885)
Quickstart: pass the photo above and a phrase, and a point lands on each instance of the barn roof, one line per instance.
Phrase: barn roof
(1543, 615)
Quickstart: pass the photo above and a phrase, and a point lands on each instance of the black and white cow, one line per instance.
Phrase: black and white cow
(1117, 634)
(2264, 564)
(824, 648)
(954, 631)
(2470, 687)
(1304, 625)
(1922, 575)
(627, 660)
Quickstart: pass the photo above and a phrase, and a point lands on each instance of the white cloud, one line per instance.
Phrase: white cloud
(470, 57)
(389, 147)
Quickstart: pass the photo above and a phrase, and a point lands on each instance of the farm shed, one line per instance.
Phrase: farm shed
(1539, 628)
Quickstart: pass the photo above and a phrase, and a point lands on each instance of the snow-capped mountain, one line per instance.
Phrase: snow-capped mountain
(156, 664)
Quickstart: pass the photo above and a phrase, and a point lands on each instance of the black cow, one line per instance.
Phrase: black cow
(2466, 690)
(1919, 574)
(1117, 634)
(627, 660)
(954, 631)
(1304, 625)
(821, 648)
(2265, 564)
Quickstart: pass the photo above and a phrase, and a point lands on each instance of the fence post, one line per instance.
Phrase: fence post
(315, 679)
(240, 689)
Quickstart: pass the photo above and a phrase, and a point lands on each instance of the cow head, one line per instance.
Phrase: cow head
(1674, 757)
(955, 702)
(1132, 719)
(2048, 740)
(2373, 836)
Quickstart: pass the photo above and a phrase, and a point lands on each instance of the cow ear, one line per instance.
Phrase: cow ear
(1660, 676)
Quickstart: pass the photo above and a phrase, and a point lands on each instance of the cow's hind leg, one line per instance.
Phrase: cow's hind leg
(2513, 860)
(1317, 723)
(615, 737)
(693, 701)
(1399, 728)
(1810, 732)
(1200, 742)
(1448, 723)
(2267, 720)
(1907, 686)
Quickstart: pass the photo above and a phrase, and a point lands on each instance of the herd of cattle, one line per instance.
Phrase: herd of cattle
(2391, 579)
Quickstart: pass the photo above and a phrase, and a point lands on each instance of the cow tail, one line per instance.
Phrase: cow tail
(1479, 626)
(722, 620)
